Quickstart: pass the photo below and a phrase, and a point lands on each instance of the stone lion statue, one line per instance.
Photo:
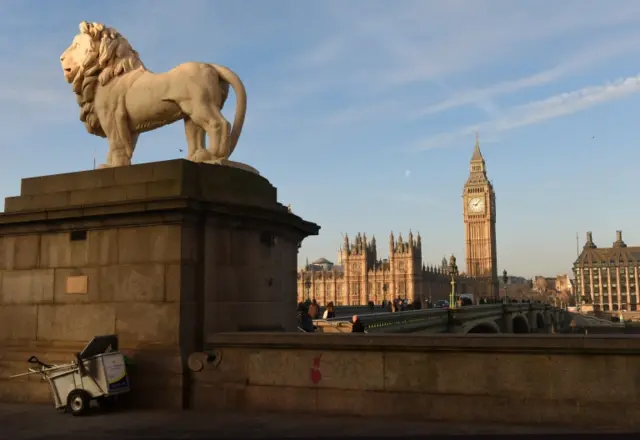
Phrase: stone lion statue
(119, 98)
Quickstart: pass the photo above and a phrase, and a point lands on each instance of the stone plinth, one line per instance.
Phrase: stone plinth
(160, 254)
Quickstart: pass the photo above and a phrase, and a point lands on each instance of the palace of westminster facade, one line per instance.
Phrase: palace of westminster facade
(363, 277)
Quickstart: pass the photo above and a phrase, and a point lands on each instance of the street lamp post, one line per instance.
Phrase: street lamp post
(453, 273)
(505, 278)
(307, 284)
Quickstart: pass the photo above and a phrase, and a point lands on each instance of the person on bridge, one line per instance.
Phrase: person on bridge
(357, 326)
(329, 312)
(304, 320)
(314, 309)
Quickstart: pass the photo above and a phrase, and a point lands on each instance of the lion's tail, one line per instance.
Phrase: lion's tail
(241, 103)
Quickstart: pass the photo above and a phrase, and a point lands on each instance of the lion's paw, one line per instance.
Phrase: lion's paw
(201, 155)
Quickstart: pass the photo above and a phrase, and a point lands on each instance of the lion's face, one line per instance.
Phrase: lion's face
(73, 58)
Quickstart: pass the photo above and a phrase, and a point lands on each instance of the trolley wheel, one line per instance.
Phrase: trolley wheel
(78, 402)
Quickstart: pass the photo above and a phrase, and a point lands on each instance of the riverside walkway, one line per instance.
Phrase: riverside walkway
(36, 422)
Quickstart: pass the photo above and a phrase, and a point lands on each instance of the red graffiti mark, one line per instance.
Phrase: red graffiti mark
(316, 375)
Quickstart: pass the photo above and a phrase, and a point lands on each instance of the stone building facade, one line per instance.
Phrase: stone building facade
(606, 279)
(363, 277)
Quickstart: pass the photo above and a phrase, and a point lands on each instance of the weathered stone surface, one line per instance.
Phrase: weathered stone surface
(180, 282)
(26, 252)
(175, 178)
(236, 316)
(57, 250)
(27, 286)
(18, 322)
(151, 244)
(140, 283)
(142, 323)
(493, 378)
(171, 252)
(75, 322)
(102, 247)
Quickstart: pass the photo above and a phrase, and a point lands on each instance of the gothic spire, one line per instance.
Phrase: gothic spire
(477, 154)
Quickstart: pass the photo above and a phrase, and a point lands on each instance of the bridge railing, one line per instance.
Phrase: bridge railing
(407, 321)
(349, 311)
(436, 320)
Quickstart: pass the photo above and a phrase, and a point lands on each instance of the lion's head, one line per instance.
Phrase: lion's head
(96, 55)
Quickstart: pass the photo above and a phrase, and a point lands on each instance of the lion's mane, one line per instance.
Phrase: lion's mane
(111, 55)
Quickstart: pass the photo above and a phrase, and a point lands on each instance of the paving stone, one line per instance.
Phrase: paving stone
(43, 422)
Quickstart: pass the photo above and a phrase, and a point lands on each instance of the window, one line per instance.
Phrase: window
(355, 294)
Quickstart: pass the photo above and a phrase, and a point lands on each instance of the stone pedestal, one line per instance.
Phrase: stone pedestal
(161, 254)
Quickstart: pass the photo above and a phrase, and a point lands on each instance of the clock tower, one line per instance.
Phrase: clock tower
(479, 207)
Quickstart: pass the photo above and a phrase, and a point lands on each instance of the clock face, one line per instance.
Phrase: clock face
(476, 205)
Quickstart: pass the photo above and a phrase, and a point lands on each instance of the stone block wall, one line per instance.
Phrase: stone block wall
(133, 285)
(161, 254)
(134, 288)
(565, 380)
(250, 279)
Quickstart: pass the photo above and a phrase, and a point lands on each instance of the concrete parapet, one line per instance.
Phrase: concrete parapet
(582, 381)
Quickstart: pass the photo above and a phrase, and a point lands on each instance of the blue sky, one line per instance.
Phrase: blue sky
(362, 113)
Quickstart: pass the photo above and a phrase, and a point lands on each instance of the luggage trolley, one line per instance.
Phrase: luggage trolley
(98, 373)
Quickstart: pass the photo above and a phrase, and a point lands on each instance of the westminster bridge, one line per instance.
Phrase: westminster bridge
(486, 318)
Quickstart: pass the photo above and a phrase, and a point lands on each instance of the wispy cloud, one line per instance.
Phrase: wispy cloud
(422, 40)
(537, 111)
(374, 63)
(356, 114)
(584, 58)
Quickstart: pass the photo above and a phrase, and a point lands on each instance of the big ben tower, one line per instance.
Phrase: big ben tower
(479, 207)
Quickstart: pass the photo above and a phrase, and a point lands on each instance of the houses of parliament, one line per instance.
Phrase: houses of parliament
(360, 276)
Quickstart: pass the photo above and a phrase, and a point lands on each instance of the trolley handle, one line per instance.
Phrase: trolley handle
(35, 360)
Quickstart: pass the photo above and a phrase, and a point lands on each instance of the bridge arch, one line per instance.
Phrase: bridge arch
(520, 324)
(484, 327)
(540, 324)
